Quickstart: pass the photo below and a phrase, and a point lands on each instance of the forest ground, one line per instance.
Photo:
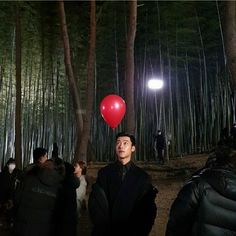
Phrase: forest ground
(168, 179)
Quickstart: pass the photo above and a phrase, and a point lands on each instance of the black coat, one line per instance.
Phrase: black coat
(206, 205)
(160, 142)
(66, 206)
(8, 183)
(130, 205)
(35, 203)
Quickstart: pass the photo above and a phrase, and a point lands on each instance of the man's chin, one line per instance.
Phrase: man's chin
(121, 158)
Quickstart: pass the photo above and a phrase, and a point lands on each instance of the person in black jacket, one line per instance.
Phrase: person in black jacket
(66, 209)
(67, 206)
(159, 147)
(206, 205)
(122, 201)
(9, 179)
(36, 200)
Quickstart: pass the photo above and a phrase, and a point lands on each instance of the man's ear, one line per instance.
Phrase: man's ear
(133, 149)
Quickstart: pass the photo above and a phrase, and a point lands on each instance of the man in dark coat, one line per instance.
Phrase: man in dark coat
(206, 205)
(122, 201)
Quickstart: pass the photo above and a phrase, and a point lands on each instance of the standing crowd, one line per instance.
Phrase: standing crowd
(48, 197)
(43, 198)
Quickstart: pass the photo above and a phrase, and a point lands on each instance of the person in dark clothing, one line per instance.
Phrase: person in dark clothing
(122, 201)
(206, 205)
(9, 179)
(67, 205)
(159, 146)
(66, 209)
(36, 200)
(233, 131)
(55, 153)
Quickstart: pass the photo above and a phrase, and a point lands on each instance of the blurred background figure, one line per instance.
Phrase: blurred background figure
(67, 206)
(224, 136)
(55, 153)
(80, 173)
(159, 147)
(233, 133)
(9, 179)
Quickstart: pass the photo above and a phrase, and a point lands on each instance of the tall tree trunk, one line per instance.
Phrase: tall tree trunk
(71, 78)
(230, 38)
(129, 70)
(18, 91)
(90, 83)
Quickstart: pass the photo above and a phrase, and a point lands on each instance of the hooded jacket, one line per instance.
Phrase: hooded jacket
(206, 205)
(36, 201)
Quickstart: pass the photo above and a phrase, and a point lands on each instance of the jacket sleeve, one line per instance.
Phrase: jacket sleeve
(183, 210)
(146, 212)
(98, 205)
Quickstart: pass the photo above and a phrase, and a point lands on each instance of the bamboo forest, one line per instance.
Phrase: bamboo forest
(58, 60)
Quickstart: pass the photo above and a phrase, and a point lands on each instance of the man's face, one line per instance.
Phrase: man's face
(124, 149)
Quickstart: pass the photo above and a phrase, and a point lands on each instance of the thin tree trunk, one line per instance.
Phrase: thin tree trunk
(129, 70)
(230, 38)
(70, 75)
(90, 83)
(18, 92)
(189, 103)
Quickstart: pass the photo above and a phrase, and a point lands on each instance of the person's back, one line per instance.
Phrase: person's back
(206, 205)
(36, 201)
(66, 205)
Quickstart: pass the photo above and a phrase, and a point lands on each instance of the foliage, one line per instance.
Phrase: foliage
(179, 41)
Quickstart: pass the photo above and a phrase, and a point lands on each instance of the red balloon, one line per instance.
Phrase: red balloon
(113, 109)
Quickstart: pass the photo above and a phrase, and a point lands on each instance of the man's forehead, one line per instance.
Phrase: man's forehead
(123, 138)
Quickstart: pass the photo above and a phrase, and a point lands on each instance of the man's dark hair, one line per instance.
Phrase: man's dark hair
(38, 153)
(124, 134)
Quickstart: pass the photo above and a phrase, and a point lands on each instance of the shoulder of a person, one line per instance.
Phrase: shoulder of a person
(83, 179)
(141, 173)
(197, 182)
(139, 169)
(108, 168)
(31, 169)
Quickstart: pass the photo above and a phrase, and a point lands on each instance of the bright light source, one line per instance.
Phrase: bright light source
(155, 83)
